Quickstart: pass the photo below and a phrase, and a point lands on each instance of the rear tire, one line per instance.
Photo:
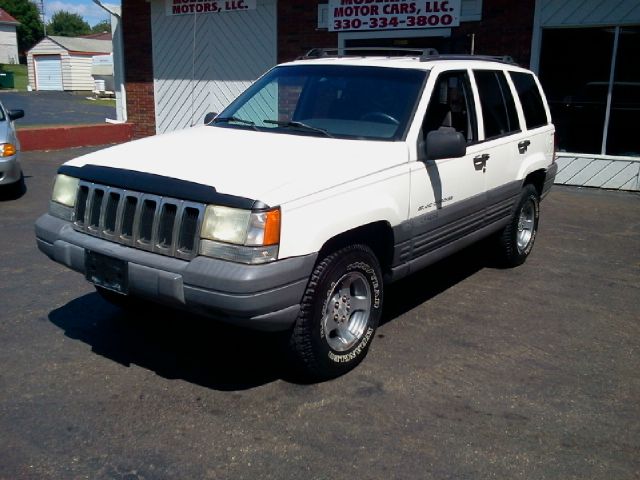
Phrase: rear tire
(339, 313)
(516, 240)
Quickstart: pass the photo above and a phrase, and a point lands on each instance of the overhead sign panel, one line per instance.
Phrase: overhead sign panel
(367, 15)
(187, 7)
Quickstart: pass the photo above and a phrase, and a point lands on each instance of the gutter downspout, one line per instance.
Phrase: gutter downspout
(118, 62)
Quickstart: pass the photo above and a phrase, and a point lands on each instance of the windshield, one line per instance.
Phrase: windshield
(325, 100)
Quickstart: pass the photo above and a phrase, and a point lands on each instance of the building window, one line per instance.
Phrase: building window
(623, 138)
(592, 83)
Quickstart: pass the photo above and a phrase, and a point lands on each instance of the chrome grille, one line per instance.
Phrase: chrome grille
(163, 225)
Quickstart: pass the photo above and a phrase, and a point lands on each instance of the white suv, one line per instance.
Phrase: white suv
(327, 179)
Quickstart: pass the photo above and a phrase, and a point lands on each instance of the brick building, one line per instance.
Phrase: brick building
(182, 62)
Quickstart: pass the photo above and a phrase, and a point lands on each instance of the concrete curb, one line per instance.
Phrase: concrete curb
(69, 136)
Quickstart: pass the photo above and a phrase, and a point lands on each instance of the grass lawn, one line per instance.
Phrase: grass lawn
(20, 79)
(106, 102)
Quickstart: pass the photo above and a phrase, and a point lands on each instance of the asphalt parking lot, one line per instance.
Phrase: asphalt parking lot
(56, 108)
(476, 372)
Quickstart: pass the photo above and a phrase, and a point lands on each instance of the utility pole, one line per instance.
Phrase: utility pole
(44, 23)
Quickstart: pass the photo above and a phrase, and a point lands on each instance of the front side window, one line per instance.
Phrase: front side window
(451, 105)
(498, 108)
(326, 100)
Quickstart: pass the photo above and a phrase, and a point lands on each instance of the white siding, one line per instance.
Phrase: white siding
(471, 10)
(598, 171)
(203, 62)
(553, 13)
(8, 44)
(79, 72)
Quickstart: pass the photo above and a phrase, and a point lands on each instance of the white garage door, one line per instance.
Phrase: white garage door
(48, 72)
(202, 63)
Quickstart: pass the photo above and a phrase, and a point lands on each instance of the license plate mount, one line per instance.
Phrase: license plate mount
(107, 272)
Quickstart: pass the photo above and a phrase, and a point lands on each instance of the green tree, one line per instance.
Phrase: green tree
(101, 27)
(67, 24)
(30, 30)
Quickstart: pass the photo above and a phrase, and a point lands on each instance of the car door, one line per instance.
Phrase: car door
(447, 195)
(500, 134)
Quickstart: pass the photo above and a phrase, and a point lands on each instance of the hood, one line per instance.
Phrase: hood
(270, 167)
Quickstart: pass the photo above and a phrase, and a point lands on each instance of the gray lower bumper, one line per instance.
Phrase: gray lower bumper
(549, 179)
(265, 297)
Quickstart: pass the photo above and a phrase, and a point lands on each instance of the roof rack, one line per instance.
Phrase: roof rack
(463, 56)
(424, 54)
(373, 51)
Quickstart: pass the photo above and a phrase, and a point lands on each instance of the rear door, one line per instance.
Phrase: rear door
(500, 134)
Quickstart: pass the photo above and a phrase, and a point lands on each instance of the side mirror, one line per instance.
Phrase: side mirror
(445, 143)
(15, 114)
(208, 118)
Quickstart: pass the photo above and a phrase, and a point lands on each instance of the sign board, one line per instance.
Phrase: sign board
(186, 7)
(370, 15)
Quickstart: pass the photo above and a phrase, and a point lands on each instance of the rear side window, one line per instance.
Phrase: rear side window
(498, 106)
(530, 98)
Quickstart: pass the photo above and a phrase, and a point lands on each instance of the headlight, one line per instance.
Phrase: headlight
(65, 190)
(63, 198)
(240, 235)
(226, 224)
(7, 149)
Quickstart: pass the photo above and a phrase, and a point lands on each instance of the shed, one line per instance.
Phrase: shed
(8, 38)
(64, 63)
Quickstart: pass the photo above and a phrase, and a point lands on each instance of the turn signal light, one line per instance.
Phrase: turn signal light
(7, 149)
(272, 227)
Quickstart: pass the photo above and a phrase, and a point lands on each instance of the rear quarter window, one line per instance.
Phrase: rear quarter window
(530, 98)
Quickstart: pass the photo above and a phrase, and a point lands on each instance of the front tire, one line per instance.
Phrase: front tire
(13, 191)
(517, 238)
(339, 313)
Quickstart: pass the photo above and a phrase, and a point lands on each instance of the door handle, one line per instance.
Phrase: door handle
(480, 160)
(522, 146)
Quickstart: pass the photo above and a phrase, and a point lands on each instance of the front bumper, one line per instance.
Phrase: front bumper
(264, 297)
(10, 171)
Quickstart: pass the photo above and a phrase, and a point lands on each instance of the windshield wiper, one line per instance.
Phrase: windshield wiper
(294, 124)
(234, 119)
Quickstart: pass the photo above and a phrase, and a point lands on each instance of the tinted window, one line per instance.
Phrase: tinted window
(498, 107)
(451, 105)
(530, 98)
